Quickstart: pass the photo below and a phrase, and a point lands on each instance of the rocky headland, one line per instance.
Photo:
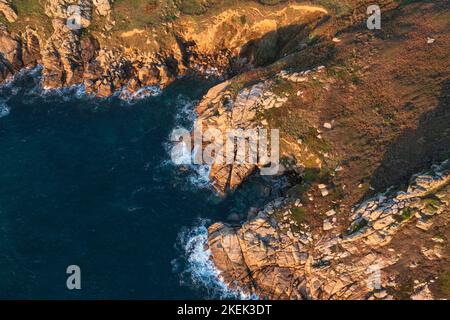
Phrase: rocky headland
(276, 256)
(363, 118)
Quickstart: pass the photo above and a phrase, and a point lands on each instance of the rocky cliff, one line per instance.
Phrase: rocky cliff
(340, 107)
(7, 10)
(86, 45)
(225, 108)
(275, 257)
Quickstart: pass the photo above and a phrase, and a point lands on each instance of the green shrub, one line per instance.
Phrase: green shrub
(404, 215)
(298, 214)
(194, 7)
(357, 226)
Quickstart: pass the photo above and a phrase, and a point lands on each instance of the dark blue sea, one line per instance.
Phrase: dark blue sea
(89, 182)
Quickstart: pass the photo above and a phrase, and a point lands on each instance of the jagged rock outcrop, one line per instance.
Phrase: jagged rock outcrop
(273, 256)
(64, 9)
(223, 109)
(247, 36)
(17, 51)
(10, 49)
(232, 40)
(69, 59)
(61, 57)
(102, 7)
(31, 47)
(220, 111)
(8, 11)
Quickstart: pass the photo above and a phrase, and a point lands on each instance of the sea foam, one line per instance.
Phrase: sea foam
(140, 94)
(28, 81)
(196, 267)
(185, 119)
(4, 109)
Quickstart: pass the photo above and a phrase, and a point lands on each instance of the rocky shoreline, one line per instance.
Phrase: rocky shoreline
(104, 64)
(274, 257)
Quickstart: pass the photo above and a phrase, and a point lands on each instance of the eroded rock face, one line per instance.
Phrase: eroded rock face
(222, 45)
(63, 9)
(69, 59)
(274, 257)
(31, 47)
(17, 51)
(242, 34)
(61, 57)
(221, 111)
(8, 11)
(102, 7)
(10, 48)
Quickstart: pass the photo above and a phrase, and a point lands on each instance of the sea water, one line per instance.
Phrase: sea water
(89, 182)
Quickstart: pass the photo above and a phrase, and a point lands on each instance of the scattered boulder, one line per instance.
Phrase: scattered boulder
(323, 190)
(327, 225)
(102, 7)
(422, 293)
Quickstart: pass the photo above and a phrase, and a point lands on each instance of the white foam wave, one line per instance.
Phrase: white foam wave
(197, 267)
(181, 154)
(201, 176)
(4, 109)
(77, 91)
(185, 116)
(33, 72)
(142, 93)
(29, 82)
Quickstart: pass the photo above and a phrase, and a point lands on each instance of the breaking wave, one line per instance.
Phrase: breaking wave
(140, 94)
(201, 176)
(185, 116)
(4, 109)
(198, 174)
(28, 82)
(196, 268)
(24, 74)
